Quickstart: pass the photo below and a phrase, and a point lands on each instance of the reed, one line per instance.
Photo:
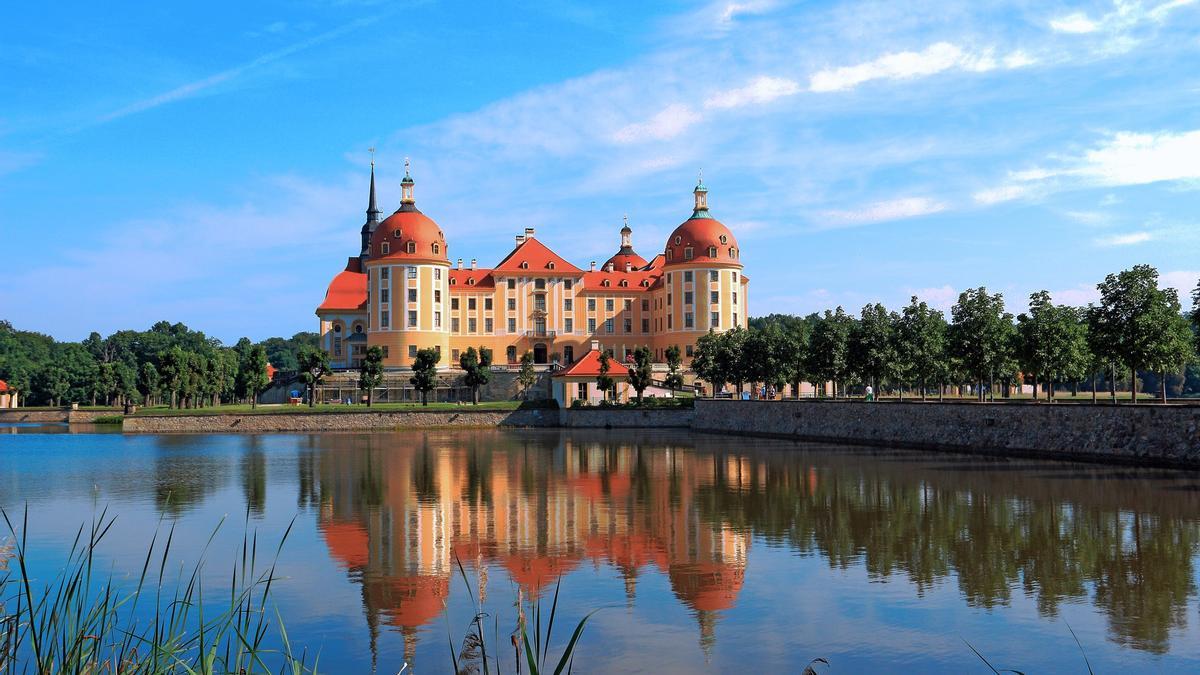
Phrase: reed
(79, 621)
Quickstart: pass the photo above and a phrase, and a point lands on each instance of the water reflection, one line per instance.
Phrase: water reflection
(398, 510)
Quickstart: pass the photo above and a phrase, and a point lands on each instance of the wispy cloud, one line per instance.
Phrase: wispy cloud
(896, 209)
(934, 59)
(667, 123)
(1003, 193)
(762, 89)
(204, 84)
(1128, 239)
(1077, 22)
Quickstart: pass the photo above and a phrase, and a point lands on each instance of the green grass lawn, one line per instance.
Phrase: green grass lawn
(262, 409)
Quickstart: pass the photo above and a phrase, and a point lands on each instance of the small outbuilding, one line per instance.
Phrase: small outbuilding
(9, 397)
(578, 382)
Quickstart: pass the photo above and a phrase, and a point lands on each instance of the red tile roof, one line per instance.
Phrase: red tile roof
(460, 280)
(634, 281)
(538, 256)
(620, 258)
(589, 366)
(3, 385)
(347, 291)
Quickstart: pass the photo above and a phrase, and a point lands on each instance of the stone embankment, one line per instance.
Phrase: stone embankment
(615, 418)
(53, 415)
(1142, 434)
(348, 421)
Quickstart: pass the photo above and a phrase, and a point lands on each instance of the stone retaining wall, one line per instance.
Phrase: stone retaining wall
(23, 415)
(1143, 434)
(349, 421)
(609, 418)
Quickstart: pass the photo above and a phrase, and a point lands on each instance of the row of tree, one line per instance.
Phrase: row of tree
(168, 363)
(1135, 327)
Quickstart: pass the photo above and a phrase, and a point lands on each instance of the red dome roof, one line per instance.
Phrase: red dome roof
(702, 235)
(409, 235)
(621, 257)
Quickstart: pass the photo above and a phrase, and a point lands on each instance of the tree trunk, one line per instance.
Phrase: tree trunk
(253, 400)
(1035, 389)
(1112, 380)
(1133, 385)
(173, 398)
(1162, 380)
(923, 391)
(312, 394)
(1093, 386)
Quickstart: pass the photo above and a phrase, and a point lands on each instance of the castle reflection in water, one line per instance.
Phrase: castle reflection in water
(537, 507)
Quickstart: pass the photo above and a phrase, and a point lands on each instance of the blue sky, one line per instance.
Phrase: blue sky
(207, 162)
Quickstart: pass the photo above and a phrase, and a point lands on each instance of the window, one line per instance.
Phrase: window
(512, 304)
(712, 251)
(412, 319)
(512, 325)
(735, 277)
(668, 277)
(567, 305)
(567, 283)
(670, 254)
(645, 305)
(385, 351)
(471, 304)
(687, 277)
(628, 304)
(568, 326)
(337, 346)
(678, 240)
(539, 302)
(454, 356)
(436, 248)
(412, 273)
(714, 297)
(714, 275)
(384, 249)
(512, 284)
(437, 274)
(383, 319)
(412, 247)
(645, 325)
(668, 299)
(550, 265)
(454, 304)
(716, 320)
(735, 297)
(437, 319)
(591, 325)
(539, 284)
(454, 325)
(337, 328)
(487, 304)
(358, 328)
(581, 391)
(383, 272)
(437, 295)
(591, 304)
(724, 239)
(608, 305)
(383, 295)
(487, 325)
(732, 252)
(412, 351)
(628, 325)
(471, 325)
(524, 265)
(608, 325)
(670, 321)
(412, 295)
(687, 297)
(689, 350)
(689, 320)
(687, 253)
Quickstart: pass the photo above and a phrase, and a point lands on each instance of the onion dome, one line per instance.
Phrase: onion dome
(702, 238)
(408, 234)
(625, 256)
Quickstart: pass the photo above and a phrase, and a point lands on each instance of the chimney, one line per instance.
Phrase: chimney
(460, 263)
(608, 267)
(628, 266)
(474, 262)
(595, 345)
(593, 265)
(520, 239)
(528, 232)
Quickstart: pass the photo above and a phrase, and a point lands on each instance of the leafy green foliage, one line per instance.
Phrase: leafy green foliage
(370, 372)
(476, 366)
(424, 377)
(642, 372)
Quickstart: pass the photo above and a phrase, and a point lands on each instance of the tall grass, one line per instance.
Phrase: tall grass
(79, 621)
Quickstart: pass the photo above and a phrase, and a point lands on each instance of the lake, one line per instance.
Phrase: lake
(701, 552)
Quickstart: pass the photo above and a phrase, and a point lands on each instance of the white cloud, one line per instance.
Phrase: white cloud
(939, 297)
(762, 89)
(996, 195)
(1078, 296)
(1128, 239)
(666, 124)
(1134, 159)
(936, 58)
(1074, 23)
(896, 209)
(732, 10)
(1182, 280)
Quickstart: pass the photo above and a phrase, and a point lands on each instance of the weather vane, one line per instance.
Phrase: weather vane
(372, 151)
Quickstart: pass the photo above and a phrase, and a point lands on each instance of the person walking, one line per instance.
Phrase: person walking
(870, 394)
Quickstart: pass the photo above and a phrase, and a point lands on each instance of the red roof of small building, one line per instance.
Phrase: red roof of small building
(589, 366)
(536, 256)
(347, 291)
(467, 279)
(3, 385)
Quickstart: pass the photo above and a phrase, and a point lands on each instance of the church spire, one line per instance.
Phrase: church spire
(406, 188)
(701, 193)
(372, 209)
(368, 227)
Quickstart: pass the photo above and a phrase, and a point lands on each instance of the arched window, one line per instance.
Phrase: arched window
(678, 240)
(524, 265)
(624, 283)
(470, 282)
(396, 233)
(732, 254)
(724, 239)
(358, 329)
(436, 248)
(606, 283)
(550, 265)
(337, 328)
(453, 281)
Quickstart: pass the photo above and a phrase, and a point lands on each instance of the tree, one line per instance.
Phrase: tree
(424, 377)
(828, 349)
(148, 381)
(173, 366)
(1196, 315)
(253, 373)
(872, 345)
(477, 368)
(642, 371)
(981, 336)
(526, 376)
(921, 345)
(1052, 344)
(762, 357)
(706, 360)
(370, 372)
(53, 382)
(1172, 347)
(674, 378)
(1134, 323)
(603, 382)
(314, 366)
(737, 367)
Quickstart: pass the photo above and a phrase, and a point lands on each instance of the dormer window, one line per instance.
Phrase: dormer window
(678, 240)
(470, 282)
(670, 254)
(550, 265)
(436, 248)
(687, 253)
(412, 247)
(732, 252)
(396, 233)
(524, 265)
(712, 251)
(646, 283)
(624, 283)
(606, 283)
(453, 281)
(384, 248)
(724, 239)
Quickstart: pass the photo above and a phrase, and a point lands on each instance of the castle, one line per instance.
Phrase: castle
(402, 293)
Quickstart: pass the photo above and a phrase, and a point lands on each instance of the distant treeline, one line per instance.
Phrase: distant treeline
(1136, 334)
(170, 363)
